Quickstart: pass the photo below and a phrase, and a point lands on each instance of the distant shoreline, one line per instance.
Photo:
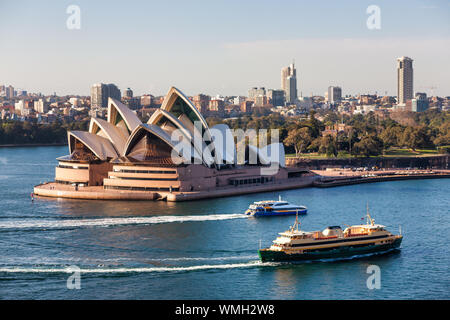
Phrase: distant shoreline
(32, 145)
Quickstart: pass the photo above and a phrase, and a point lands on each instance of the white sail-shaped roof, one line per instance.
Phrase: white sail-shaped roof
(122, 117)
(225, 149)
(103, 128)
(100, 146)
(183, 148)
(186, 127)
(177, 103)
(160, 114)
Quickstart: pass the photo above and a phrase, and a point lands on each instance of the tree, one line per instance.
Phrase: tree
(414, 138)
(391, 136)
(300, 139)
(443, 136)
(314, 124)
(342, 141)
(327, 145)
(315, 144)
(370, 145)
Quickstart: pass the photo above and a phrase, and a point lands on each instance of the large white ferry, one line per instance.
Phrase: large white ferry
(332, 242)
(274, 208)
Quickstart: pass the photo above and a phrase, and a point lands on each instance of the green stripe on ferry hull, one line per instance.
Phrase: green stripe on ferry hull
(341, 252)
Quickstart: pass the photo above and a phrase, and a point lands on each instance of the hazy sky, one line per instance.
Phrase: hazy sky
(222, 47)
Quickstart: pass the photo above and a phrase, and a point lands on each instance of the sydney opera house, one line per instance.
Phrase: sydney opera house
(174, 156)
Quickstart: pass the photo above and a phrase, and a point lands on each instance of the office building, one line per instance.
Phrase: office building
(334, 94)
(418, 104)
(276, 97)
(289, 83)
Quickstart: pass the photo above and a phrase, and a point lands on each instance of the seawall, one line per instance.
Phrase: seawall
(427, 162)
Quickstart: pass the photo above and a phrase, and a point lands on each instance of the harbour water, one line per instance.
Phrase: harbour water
(208, 249)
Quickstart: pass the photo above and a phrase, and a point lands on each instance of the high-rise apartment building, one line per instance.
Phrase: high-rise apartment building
(334, 94)
(289, 83)
(10, 93)
(256, 92)
(404, 80)
(258, 95)
(40, 106)
(100, 93)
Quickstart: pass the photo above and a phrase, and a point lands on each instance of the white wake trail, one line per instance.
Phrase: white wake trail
(107, 222)
(138, 270)
(206, 258)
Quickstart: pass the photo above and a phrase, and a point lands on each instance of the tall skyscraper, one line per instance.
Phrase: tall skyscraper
(100, 93)
(404, 80)
(334, 94)
(10, 92)
(289, 83)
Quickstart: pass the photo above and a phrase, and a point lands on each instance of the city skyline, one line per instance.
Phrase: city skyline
(222, 54)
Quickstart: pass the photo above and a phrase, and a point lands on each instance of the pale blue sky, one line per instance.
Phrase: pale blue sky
(222, 47)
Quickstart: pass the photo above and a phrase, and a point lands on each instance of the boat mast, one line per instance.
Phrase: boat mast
(295, 226)
(369, 218)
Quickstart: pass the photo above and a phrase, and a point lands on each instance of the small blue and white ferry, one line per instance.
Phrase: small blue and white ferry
(274, 208)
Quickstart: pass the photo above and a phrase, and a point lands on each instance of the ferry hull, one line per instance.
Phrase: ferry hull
(275, 213)
(267, 255)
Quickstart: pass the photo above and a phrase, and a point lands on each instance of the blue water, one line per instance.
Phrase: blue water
(207, 249)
